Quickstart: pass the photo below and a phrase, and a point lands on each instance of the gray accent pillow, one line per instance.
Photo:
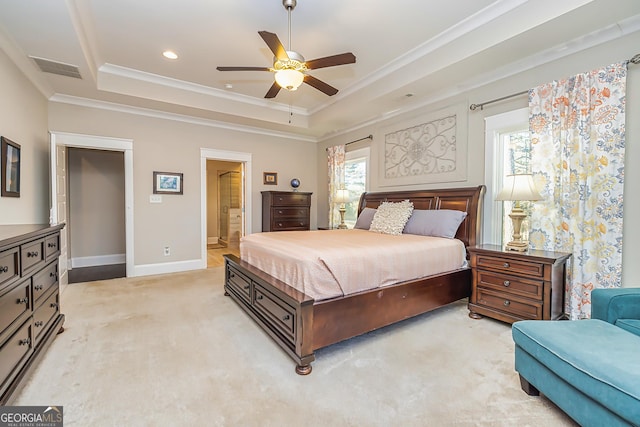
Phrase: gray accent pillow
(390, 218)
(437, 222)
(364, 219)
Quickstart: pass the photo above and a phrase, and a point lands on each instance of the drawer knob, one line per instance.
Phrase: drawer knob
(32, 254)
(259, 297)
(280, 212)
(232, 275)
(245, 287)
(53, 305)
(25, 341)
(507, 283)
(51, 245)
(38, 287)
(279, 224)
(506, 265)
(24, 300)
(507, 303)
(4, 269)
(286, 317)
(38, 323)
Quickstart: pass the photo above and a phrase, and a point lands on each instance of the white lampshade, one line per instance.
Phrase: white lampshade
(519, 188)
(342, 196)
(289, 79)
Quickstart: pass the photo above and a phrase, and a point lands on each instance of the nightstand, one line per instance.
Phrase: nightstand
(512, 286)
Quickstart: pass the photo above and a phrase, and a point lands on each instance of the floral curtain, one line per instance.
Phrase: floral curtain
(335, 162)
(577, 130)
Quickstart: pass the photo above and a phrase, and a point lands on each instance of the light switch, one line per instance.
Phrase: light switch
(155, 198)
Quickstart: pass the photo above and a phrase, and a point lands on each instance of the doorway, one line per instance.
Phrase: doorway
(60, 142)
(226, 208)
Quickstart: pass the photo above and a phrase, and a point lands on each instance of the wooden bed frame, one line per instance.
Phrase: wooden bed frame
(300, 325)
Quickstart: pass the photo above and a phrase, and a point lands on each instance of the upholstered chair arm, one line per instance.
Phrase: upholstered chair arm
(615, 303)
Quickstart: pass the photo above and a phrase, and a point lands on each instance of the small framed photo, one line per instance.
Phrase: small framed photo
(10, 168)
(167, 183)
(270, 178)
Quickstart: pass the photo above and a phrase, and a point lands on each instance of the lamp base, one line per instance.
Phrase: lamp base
(342, 225)
(517, 246)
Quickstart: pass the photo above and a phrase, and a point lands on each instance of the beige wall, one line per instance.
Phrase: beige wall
(619, 50)
(96, 204)
(174, 146)
(23, 119)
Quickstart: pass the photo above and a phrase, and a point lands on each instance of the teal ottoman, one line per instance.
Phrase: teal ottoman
(588, 368)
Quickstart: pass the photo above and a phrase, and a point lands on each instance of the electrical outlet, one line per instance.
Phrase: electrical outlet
(167, 251)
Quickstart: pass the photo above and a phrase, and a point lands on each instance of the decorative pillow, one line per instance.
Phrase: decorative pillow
(390, 218)
(365, 218)
(437, 223)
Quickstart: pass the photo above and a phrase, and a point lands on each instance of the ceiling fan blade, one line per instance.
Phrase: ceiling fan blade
(274, 44)
(331, 61)
(273, 90)
(243, 69)
(320, 85)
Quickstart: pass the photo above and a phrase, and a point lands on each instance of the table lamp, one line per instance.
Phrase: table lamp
(342, 197)
(518, 188)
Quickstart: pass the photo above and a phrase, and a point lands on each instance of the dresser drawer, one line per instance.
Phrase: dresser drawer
(14, 302)
(510, 304)
(290, 199)
(510, 266)
(9, 266)
(277, 312)
(51, 247)
(43, 315)
(14, 353)
(290, 224)
(283, 213)
(240, 283)
(31, 256)
(512, 284)
(44, 280)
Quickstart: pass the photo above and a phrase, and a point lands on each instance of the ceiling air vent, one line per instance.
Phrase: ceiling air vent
(59, 68)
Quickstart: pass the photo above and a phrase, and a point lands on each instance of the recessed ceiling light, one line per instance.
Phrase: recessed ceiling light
(169, 54)
(228, 86)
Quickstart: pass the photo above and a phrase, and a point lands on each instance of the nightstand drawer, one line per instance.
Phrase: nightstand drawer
(510, 266)
(509, 304)
(511, 284)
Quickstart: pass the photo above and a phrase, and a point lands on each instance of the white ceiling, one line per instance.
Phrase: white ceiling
(428, 48)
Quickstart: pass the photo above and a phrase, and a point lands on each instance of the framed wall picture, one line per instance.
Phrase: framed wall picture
(270, 178)
(10, 169)
(167, 183)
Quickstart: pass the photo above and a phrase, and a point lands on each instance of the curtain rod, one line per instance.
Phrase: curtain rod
(357, 140)
(473, 107)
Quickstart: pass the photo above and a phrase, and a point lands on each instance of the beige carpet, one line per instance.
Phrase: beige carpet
(172, 350)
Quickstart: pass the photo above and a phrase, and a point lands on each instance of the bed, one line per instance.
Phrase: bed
(301, 324)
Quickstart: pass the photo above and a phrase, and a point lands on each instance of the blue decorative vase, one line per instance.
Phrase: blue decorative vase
(295, 183)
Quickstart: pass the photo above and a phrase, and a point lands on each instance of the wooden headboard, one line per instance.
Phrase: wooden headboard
(468, 199)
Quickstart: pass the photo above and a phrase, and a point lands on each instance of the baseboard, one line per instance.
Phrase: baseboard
(90, 261)
(168, 267)
(212, 240)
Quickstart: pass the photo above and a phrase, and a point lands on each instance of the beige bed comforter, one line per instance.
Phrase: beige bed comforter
(330, 263)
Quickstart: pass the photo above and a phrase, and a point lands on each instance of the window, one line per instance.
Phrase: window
(507, 152)
(356, 174)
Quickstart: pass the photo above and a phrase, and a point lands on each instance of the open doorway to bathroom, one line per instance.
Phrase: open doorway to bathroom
(224, 209)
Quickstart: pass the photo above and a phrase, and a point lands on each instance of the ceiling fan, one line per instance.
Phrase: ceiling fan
(290, 67)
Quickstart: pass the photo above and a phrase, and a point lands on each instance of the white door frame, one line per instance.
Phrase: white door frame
(100, 143)
(229, 156)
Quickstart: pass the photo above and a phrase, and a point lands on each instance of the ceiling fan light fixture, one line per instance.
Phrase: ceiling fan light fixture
(289, 79)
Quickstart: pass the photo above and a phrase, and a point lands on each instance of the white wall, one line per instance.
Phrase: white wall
(619, 50)
(23, 119)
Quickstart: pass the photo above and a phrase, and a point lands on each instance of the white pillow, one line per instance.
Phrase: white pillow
(390, 218)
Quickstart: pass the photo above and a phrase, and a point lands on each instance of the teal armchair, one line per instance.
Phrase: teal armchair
(589, 368)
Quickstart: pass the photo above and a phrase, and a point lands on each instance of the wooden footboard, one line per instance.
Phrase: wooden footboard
(285, 313)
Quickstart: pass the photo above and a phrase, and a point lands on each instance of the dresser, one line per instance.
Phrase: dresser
(285, 210)
(30, 314)
(512, 286)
